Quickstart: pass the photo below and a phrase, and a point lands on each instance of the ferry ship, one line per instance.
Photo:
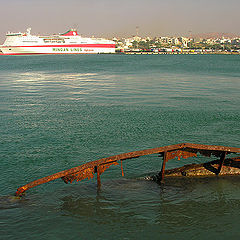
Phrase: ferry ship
(67, 43)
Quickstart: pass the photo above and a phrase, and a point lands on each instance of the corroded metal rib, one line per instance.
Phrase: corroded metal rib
(88, 170)
(231, 166)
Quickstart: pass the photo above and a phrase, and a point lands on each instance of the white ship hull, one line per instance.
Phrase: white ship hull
(68, 43)
(13, 50)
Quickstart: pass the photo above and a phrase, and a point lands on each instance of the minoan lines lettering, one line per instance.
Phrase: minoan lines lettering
(66, 49)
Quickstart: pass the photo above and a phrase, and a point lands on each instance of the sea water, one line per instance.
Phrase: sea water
(58, 112)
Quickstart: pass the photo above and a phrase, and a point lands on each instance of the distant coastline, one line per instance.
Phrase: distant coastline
(180, 53)
(179, 45)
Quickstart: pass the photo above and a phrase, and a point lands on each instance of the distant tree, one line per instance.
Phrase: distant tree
(144, 45)
(227, 47)
(158, 45)
(135, 44)
(216, 47)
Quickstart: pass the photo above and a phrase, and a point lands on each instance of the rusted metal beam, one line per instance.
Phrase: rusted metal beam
(122, 169)
(165, 159)
(86, 170)
(222, 159)
(98, 179)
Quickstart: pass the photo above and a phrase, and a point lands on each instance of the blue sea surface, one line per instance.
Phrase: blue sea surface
(58, 112)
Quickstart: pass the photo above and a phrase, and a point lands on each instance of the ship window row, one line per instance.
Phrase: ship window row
(54, 41)
(29, 41)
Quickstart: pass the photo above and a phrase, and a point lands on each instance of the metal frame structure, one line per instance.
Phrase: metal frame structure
(182, 150)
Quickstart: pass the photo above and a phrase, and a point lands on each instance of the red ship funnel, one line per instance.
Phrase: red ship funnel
(70, 32)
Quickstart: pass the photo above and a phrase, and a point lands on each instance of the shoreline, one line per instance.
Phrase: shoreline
(136, 53)
(180, 53)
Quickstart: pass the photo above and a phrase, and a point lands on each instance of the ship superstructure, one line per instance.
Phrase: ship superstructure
(67, 43)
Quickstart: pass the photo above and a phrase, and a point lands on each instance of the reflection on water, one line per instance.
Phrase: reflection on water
(8, 202)
(38, 76)
(111, 88)
(133, 208)
(68, 86)
(189, 199)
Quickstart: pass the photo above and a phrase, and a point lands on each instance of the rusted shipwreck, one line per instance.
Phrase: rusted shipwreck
(220, 166)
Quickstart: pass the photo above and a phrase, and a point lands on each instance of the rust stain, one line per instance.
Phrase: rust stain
(86, 173)
(104, 167)
(181, 153)
(182, 150)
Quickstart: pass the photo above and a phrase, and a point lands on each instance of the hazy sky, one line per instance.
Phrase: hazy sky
(120, 17)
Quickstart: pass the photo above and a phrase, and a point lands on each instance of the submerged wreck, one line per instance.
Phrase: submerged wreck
(222, 166)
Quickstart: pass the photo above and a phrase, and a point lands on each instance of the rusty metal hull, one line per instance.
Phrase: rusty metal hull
(182, 150)
(231, 167)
